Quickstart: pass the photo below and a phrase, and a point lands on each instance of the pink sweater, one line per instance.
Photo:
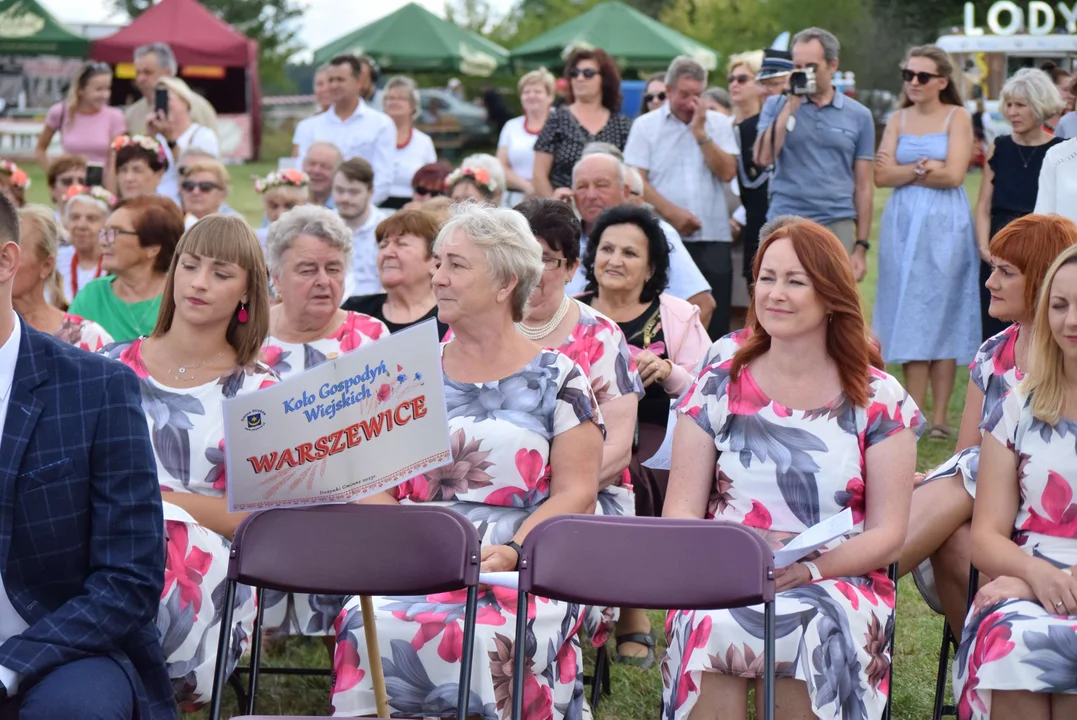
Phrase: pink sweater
(686, 341)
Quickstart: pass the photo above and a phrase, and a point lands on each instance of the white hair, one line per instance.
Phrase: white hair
(482, 161)
(313, 220)
(1036, 88)
(510, 248)
(602, 148)
(406, 83)
(88, 199)
(609, 156)
(684, 66)
(633, 180)
(165, 57)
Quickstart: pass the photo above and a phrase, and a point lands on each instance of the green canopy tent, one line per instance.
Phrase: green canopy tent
(413, 40)
(633, 39)
(26, 28)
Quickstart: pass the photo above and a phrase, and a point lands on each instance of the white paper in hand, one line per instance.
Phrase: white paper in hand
(510, 580)
(814, 538)
(663, 456)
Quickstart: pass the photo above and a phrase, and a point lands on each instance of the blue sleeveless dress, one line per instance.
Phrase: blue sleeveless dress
(927, 299)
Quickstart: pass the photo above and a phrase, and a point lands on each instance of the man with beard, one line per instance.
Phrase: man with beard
(353, 192)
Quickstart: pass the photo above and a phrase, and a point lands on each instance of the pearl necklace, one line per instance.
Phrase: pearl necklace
(537, 333)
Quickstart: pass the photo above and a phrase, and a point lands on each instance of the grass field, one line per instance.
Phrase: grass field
(636, 695)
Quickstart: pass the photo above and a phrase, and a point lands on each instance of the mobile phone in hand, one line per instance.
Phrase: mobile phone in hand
(160, 100)
(95, 175)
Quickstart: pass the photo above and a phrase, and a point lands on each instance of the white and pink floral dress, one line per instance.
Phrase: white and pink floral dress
(501, 432)
(83, 334)
(187, 429)
(299, 613)
(781, 471)
(994, 371)
(1017, 644)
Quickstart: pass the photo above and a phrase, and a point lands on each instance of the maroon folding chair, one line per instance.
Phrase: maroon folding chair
(682, 564)
(352, 550)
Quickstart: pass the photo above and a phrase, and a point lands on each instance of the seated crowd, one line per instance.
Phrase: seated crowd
(589, 321)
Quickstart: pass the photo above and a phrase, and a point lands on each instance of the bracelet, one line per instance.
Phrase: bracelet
(519, 552)
(813, 570)
(706, 139)
(863, 243)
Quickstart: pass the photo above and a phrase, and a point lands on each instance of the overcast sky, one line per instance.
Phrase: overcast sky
(325, 20)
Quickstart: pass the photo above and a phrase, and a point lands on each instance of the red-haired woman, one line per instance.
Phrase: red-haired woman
(787, 425)
(592, 113)
(428, 183)
(1021, 254)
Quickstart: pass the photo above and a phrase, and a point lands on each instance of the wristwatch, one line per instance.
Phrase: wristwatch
(519, 552)
(863, 243)
(813, 570)
(706, 139)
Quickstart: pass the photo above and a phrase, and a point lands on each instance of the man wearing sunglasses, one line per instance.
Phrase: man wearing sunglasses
(822, 147)
(687, 155)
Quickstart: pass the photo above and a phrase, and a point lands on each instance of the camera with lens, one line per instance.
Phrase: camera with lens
(802, 82)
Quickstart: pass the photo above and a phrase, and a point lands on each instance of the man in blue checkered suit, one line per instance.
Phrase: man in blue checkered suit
(81, 530)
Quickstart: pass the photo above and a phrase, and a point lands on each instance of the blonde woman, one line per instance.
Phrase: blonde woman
(86, 123)
(281, 191)
(39, 238)
(516, 146)
(1016, 657)
(204, 190)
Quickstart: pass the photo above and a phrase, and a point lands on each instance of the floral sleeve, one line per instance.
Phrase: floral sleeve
(575, 403)
(1004, 424)
(890, 410)
(722, 349)
(978, 368)
(704, 401)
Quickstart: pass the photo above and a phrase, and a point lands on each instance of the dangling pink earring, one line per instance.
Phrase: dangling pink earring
(242, 315)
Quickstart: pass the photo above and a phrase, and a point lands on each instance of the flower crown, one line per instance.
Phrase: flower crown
(477, 175)
(141, 141)
(281, 178)
(19, 178)
(96, 192)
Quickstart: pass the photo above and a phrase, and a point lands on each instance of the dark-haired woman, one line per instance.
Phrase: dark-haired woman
(86, 123)
(778, 433)
(141, 163)
(137, 245)
(926, 308)
(592, 114)
(654, 93)
(203, 350)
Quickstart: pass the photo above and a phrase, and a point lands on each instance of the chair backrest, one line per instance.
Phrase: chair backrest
(647, 562)
(356, 550)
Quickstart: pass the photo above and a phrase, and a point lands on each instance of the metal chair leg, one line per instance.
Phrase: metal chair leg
(940, 679)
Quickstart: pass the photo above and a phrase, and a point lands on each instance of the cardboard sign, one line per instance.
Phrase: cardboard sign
(363, 422)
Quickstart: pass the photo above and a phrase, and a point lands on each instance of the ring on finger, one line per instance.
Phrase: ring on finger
(1058, 604)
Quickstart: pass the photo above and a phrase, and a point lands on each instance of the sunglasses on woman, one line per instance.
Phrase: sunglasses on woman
(69, 181)
(738, 79)
(427, 192)
(651, 97)
(204, 186)
(921, 77)
(587, 73)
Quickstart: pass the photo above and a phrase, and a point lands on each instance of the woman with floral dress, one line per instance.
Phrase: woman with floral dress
(746, 451)
(526, 443)
(937, 544)
(308, 249)
(1016, 658)
(204, 349)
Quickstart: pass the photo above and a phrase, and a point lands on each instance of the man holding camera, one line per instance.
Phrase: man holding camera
(822, 145)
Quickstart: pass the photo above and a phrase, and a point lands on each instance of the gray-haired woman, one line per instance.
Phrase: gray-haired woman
(308, 250)
(526, 443)
(1012, 169)
(414, 148)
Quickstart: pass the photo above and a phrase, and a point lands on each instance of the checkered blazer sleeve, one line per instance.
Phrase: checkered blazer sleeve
(125, 554)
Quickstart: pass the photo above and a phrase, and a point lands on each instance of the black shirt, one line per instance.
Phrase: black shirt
(1017, 179)
(374, 306)
(563, 137)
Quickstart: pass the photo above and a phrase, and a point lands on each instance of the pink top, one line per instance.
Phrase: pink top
(86, 135)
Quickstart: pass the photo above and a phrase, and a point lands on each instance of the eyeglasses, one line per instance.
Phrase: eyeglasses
(108, 235)
(587, 73)
(651, 97)
(427, 192)
(738, 79)
(69, 181)
(921, 77)
(204, 186)
(550, 263)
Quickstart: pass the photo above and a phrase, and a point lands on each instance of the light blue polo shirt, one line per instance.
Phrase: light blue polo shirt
(813, 177)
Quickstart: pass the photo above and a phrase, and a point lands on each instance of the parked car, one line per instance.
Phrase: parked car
(453, 124)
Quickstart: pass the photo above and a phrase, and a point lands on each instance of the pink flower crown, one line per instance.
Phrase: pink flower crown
(281, 178)
(19, 178)
(478, 175)
(96, 192)
(141, 141)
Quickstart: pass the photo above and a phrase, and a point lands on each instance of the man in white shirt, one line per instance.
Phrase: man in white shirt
(598, 182)
(153, 62)
(82, 541)
(355, 128)
(353, 186)
(685, 153)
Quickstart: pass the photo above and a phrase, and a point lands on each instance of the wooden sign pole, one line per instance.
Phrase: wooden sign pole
(377, 675)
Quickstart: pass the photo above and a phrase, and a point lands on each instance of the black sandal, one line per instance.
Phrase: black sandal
(645, 639)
